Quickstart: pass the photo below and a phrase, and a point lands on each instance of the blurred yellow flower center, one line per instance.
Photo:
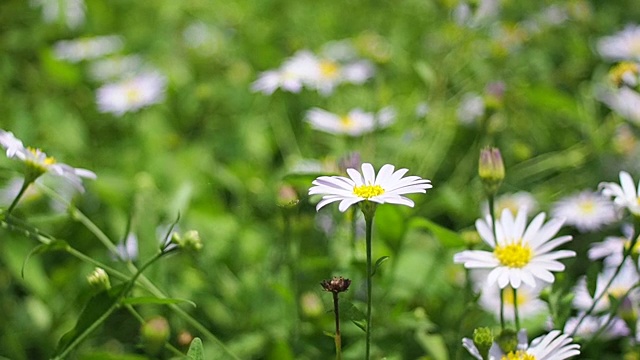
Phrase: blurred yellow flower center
(513, 255)
(346, 121)
(619, 71)
(329, 69)
(587, 207)
(518, 355)
(37, 153)
(368, 191)
(132, 94)
(617, 292)
(507, 297)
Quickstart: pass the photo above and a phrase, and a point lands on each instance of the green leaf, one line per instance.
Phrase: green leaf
(55, 245)
(145, 300)
(354, 314)
(448, 238)
(378, 263)
(433, 344)
(196, 351)
(592, 279)
(93, 313)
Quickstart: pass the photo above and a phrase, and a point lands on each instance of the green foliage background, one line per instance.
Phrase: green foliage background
(217, 153)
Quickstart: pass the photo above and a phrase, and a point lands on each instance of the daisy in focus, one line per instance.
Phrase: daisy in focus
(520, 254)
(87, 48)
(132, 94)
(624, 195)
(387, 186)
(553, 346)
(38, 163)
(623, 45)
(587, 211)
(357, 122)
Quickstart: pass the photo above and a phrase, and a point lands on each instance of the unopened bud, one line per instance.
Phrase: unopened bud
(99, 279)
(483, 340)
(155, 333)
(491, 169)
(187, 241)
(508, 341)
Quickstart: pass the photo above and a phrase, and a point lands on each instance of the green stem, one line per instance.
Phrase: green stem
(515, 308)
(502, 309)
(338, 337)
(25, 185)
(368, 217)
(492, 213)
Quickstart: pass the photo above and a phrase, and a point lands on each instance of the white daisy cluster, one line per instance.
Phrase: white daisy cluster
(621, 93)
(355, 123)
(130, 83)
(335, 65)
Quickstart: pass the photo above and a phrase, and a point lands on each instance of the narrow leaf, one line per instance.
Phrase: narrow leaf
(378, 263)
(55, 245)
(448, 238)
(592, 279)
(196, 350)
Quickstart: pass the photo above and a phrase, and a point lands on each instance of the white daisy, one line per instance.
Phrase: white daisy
(624, 45)
(521, 200)
(611, 249)
(624, 195)
(38, 163)
(387, 187)
(622, 285)
(528, 298)
(471, 108)
(291, 76)
(553, 346)
(519, 255)
(355, 123)
(590, 325)
(131, 94)
(623, 101)
(587, 211)
(87, 48)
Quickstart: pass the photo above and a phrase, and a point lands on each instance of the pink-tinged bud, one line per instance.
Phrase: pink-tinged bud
(155, 333)
(491, 169)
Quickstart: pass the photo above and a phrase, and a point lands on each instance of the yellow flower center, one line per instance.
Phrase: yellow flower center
(329, 69)
(513, 255)
(368, 191)
(346, 121)
(518, 355)
(133, 94)
(619, 71)
(38, 154)
(587, 207)
(508, 299)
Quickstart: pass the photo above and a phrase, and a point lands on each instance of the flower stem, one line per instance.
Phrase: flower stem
(515, 308)
(502, 309)
(338, 338)
(492, 213)
(368, 209)
(25, 185)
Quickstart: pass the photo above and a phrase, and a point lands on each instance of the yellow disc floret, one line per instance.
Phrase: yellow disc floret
(514, 255)
(346, 122)
(518, 355)
(329, 69)
(368, 191)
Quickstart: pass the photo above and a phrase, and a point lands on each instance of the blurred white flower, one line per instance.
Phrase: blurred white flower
(587, 211)
(519, 253)
(422, 109)
(514, 202)
(355, 123)
(475, 13)
(528, 298)
(127, 250)
(611, 250)
(623, 101)
(622, 285)
(625, 195)
(202, 37)
(132, 94)
(87, 48)
(38, 163)
(624, 45)
(115, 67)
(591, 325)
(471, 108)
(70, 12)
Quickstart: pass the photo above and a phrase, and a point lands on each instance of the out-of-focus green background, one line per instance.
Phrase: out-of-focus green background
(217, 154)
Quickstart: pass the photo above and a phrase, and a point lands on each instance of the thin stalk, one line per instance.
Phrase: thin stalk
(25, 185)
(492, 213)
(338, 337)
(502, 309)
(369, 222)
(515, 308)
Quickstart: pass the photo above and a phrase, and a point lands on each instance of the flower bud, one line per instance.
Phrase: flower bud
(155, 333)
(508, 341)
(187, 241)
(336, 285)
(491, 169)
(99, 279)
(483, 340)
(287, 197)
